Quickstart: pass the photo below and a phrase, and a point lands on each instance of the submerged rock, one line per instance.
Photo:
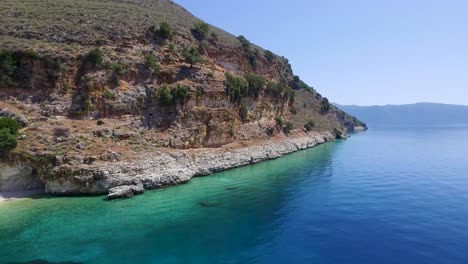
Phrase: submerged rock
(230, 188)
(125, 191)
(209, 203)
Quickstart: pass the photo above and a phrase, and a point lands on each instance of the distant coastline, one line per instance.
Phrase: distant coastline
(410, 115)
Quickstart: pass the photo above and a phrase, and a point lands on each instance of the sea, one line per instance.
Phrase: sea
(387, 195)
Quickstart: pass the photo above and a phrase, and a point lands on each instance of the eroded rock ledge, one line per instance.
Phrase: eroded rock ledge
(162, 168)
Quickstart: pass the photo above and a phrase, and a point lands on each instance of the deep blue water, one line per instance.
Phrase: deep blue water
(383, 196)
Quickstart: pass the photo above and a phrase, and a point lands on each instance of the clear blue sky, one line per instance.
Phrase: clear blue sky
(359, 52)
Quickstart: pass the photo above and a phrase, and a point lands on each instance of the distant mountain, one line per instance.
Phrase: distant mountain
(426, 114)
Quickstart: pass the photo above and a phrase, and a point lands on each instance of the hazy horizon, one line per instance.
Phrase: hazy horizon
(434, 103)
(361, 52)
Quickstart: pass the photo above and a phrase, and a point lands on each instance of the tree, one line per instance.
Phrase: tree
(243, 111)
(200, 30)
(192, 56)
(269, 55)
(250, 52)
(275, 89)
(8, 64)
(181, 92)
(10, 124)
(8, 141)
(325, 105)
(309, 125)
(8, 134)
(165, 95)
(288, 126)
(279, 121)
(256, 84)
(165, 30)
(117, 68)
(95, 57)
(152, 64)
(245, 43)
(237, 87)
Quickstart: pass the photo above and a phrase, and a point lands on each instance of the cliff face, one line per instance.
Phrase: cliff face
(107, 81)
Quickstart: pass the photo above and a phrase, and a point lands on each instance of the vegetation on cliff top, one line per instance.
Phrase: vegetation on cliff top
(129, 60)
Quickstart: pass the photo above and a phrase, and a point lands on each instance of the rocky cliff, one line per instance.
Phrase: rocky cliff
(112, 93)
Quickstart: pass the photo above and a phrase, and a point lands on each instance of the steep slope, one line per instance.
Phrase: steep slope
(421, 114)
(99, 82)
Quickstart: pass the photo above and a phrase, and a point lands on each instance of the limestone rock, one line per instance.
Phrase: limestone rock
(125, 191)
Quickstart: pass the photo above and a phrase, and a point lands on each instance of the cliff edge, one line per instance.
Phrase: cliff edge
(142, 93)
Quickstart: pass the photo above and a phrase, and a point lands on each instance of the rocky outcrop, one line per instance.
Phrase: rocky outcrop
(18, 176)
(125, 191)
(120, 109)
(165, 168)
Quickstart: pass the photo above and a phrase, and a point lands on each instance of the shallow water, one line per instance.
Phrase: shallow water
(383, 196)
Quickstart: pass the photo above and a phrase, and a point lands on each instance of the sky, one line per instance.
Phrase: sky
(363, 52)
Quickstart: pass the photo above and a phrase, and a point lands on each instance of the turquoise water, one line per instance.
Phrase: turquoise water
(382, 196)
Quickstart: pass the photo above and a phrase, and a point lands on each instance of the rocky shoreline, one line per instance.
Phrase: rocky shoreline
(162, 168)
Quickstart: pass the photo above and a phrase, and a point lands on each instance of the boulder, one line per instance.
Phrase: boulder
(125, 191)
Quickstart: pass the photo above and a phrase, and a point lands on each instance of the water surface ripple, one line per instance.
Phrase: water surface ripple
(383, 196)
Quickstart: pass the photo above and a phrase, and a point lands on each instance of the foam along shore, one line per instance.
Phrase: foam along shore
(11, 196)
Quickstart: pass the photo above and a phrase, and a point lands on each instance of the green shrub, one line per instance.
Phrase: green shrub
(210, 75)
(288, 126)
(95, 57)
(231, 130)
(325, 105)
(243, 111)
(8, 141)
(293, 110)
(309, 125)
(249, 52)
(8, 134)
(289, 94)
(213, 37)
(172, 47)
(152, 64)
(8, 64)
(275, 89)
(109, 94)
(269, 55)
(279, 121)
(165, 30)
(10, 124)
(200, 91)
(192, 56)
(117, 68)
(200, 30)
(165, 95)
(245, 43)
(31, 54)
(237, 87)
(181, 92)
(256, 84)
(100, 123)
